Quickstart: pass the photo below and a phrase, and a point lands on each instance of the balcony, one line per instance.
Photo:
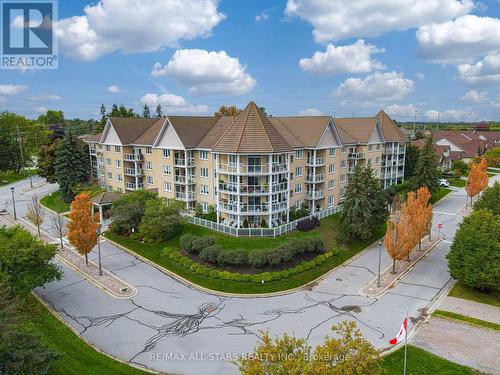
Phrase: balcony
(93, 151)
(134, 172)
(133, 185)
(281, 206)
(254, 209)
(181, 179)
(318, 194)
(315, 179)
(254, 189)
(315, 162)
(228, 207)
(279, 168)
(189, 196)
(356, 156)
(134, 157)
(279, 188)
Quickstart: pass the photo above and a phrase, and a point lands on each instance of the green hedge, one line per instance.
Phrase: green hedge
(201, 269)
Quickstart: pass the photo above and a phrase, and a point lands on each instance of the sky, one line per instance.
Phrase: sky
(414, 58)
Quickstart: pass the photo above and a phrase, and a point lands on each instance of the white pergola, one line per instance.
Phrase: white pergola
(101, 201)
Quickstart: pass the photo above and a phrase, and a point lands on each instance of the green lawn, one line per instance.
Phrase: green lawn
(439, 194)
(329, 226)
(421, 362)
(77, 357)
(491, 174)
(493, 170)
(466, 319)
(10, 176)
(461, 290)
(55, 202)
(457, 182)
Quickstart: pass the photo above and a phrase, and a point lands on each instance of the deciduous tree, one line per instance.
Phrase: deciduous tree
(25, 261)
(46, 160)
(490, 199)
(35, 213)
(128, 210)
(225, 110)
(347, 353)
(420, 212)
(161, 221)
(399, 239)
(58, 227)
(477, 179)
(82, 227)
(493, 156)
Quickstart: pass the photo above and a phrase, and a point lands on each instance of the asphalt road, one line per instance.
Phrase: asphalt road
(172, 327)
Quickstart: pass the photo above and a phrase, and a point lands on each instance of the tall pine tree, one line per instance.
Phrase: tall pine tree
(146, 113)
(426, 171)
(159, 112)
(72, 165)
(365, 204)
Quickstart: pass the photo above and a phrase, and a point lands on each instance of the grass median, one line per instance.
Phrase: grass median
(55, 202)
(467, 319)
(460, 290)
(326, 231)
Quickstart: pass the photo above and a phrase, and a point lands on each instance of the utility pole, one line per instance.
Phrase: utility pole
(22, 154)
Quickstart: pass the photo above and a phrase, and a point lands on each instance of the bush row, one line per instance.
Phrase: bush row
(200, 269)
(308, 223)
(216, 254)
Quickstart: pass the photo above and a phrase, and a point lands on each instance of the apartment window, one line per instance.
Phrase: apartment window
(378, 147)
(149, 150)
(299, 154)
(331, 201)
(203, 155)
(108, 148)
(118, 163)
(214, 156)
(342, 178)
(119, 190)
(331, 184)
(344, 149)
(377, 160)
(110, 176)
(204, 205)
(332, 152)
(331, 168)
(149, 180)
(167, 186)
(204, 172)
(298, 204)
(298, 171)
(343, 164)
(109, 188)
(166, 153)
(167, 170)
(119, 177)
(108, 162)
(377, 173)
(298, 188)
(117, 148)
(99, 146)
(204, 189)
(149, 165)
(370, 148)
(370, 161)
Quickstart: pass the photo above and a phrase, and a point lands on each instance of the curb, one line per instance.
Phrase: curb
(239, 295)
(85, 341)
(396, 280)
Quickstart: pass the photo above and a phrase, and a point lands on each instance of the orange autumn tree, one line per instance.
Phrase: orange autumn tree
(399, 239)
(478, 179)
(422, 220)
(82, 229)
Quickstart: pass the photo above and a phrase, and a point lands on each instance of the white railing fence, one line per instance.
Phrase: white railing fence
(259, 232)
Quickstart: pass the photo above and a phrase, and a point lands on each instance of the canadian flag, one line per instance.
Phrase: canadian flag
(401, 335)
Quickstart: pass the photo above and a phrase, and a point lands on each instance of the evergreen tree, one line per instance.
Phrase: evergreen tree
(46, 158)
(104, 116)
(411, 157)
(146, 113)
(159, 112)
(72, 165)
(378, 197)
(426, 171)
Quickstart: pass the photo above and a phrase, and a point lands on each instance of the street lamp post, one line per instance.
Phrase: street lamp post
(379, 261)
(99, 248)
(13, 202)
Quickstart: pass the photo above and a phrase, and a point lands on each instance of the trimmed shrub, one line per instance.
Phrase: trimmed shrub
(257, 258)
(308, 224)
(211, 254)
(186, 242)
(202, 243)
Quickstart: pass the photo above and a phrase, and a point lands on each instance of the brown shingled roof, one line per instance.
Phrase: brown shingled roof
(360, 129)
(392, 132)
(306, 129)
(93, 138)
(216, 131)
(252, 132)
(192, 129)
(149, 136)
(129, 129)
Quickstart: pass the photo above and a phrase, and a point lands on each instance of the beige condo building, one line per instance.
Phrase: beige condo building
(251, 168)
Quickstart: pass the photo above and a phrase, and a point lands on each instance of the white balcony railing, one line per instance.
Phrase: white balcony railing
(315, 162)
(133, 185)
(315, 179)
(318, 194)
(134, 172)
(356, 156)
(134, 157)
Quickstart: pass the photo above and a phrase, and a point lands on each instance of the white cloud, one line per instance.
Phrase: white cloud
(451, 115)
(396, 110)
(41, 110)
(261, 17)
(135, 26)
(376, 87)
(207, 72)
(460, 40)
(311, 112)
(114, 89)
(475, 97)
(482, 73)
(340, 19)
(43, 97)
(11, 89)
(353, 58)
(172, 103)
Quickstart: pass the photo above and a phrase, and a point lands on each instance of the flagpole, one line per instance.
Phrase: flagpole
(406, 341)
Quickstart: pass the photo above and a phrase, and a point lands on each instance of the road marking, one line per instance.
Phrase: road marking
(447, 241)
(443, 213)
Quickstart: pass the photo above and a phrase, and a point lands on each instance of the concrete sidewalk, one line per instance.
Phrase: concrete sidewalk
(471, 309)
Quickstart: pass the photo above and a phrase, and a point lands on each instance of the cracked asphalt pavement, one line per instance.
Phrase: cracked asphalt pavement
(172, 327)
